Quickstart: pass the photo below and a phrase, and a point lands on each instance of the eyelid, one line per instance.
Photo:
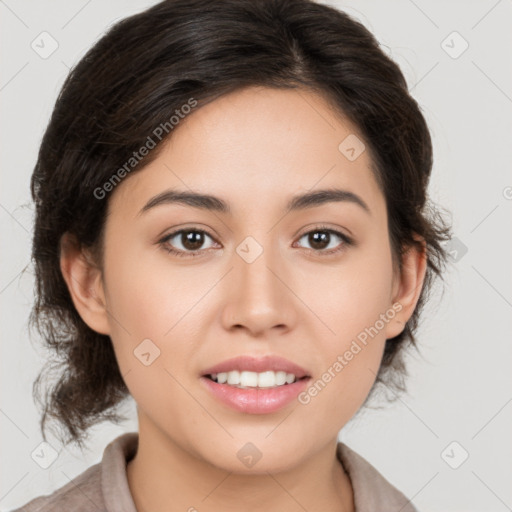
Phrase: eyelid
(178, 252)
(324, 227)
(346, 239)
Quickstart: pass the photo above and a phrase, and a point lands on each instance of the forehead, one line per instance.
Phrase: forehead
(256, 145)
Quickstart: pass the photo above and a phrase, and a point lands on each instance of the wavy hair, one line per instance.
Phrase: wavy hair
(132, 80)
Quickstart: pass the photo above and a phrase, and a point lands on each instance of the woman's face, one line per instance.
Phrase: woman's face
(265, 281)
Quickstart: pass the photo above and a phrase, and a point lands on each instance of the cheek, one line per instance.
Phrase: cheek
(147, 294)
(149, 326)
(352, 296)
(354, 302)
(150, 299)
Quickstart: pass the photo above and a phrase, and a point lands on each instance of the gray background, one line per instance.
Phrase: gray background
(459, 388)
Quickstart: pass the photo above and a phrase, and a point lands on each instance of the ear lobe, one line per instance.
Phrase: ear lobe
(84, 282)
(410, 284)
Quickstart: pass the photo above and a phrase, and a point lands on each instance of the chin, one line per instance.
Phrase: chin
(258, 456)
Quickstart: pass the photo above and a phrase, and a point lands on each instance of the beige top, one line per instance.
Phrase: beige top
(104, 486)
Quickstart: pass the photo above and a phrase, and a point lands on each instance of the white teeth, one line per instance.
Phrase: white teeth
(246, 379)
(281, 378)
(266, 379)
(249, 379)
(234, 378)
(290, 378)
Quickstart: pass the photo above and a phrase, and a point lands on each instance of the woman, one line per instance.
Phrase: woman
(232, 227)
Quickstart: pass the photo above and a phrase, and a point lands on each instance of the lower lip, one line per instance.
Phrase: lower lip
(256, 400)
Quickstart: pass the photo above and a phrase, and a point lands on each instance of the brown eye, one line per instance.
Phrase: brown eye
(319, 239)
(185, 242)
(192, 240)
(324, 240)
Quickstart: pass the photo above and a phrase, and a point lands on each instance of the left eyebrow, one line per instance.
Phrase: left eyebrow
(319, 197)
(194, 199)
(216, 204)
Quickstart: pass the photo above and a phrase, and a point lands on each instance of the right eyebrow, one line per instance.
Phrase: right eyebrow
(319, 197)
(213, 203)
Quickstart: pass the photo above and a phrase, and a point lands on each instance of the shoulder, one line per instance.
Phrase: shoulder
(82, 494)
(101, 488)
(371, 490)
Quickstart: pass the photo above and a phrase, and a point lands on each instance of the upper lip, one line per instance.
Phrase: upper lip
(258, 365)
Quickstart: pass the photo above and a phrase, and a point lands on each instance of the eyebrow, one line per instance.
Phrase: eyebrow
(215, 204)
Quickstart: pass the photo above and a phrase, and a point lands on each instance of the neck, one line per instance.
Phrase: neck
(164, 477)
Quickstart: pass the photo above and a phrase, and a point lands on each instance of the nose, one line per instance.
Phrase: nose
(259, 295)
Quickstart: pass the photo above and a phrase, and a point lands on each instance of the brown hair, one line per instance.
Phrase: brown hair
(133, 80)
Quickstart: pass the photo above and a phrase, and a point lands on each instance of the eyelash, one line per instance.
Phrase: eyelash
(347, 241)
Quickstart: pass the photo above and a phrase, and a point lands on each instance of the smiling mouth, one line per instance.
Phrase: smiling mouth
(255, 380)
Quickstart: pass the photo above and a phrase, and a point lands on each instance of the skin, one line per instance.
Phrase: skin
(307, 307)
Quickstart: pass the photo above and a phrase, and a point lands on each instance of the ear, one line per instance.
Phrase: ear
(84, 280)
(407, 287)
